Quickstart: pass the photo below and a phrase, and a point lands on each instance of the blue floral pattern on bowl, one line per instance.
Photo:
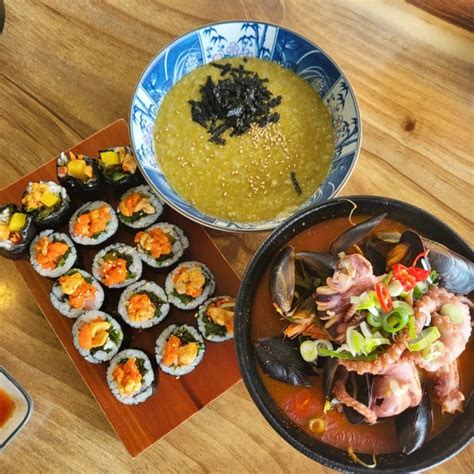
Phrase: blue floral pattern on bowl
(251, 39)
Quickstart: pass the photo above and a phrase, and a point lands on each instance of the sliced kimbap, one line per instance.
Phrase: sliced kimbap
(17, 229)
(161, 245)
(93, 223)
(119, 167)
(216, 318)
(139, 207)
(97, 336)
(77, 173)
(47, 201)
(179, 349)
(117, 265)
(52, 253)
(189, 285)
(75, 292)
(143, 304)
(130, 377)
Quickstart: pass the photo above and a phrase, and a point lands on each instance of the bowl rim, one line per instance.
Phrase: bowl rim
(259, 226)
(243, 343)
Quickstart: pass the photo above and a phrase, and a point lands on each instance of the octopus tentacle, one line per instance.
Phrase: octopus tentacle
(392, 355)
(446, 387)
(340, 392)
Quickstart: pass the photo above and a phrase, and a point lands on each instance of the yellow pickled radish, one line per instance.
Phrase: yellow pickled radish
(17, 222)
(49, 199)
(75, 168)
(110, 158)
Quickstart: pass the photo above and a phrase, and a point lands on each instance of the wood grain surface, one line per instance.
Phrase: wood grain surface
(175, 399)
(68, 68)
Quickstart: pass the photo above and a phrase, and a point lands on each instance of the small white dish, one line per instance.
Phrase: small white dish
(21, 412)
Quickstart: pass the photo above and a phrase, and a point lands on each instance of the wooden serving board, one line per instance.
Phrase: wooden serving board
(174, 400)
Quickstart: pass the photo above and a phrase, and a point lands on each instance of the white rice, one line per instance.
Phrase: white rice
(110, 229)
(180, 243)
(140, 287)
(60, 270)
(147, 219)
(200, 320)
(160, 346)
(5, 216)
(148, 378)
(61, 302)
(191, 303)
(135, 268)
(108, 350)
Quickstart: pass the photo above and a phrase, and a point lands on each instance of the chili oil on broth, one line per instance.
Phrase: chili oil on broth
(247, 179)
(380, 438)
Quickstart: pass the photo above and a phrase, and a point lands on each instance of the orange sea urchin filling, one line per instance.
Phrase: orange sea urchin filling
(48, 253)
(114, 271)
(128, 377)
(154, 241)
(94, 334)
(79, 291)
(189, 281)
(140, 307)
(93, 222)
(177, 354)
(220, 313)
(135, 202)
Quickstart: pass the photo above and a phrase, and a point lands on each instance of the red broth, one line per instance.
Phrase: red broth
(301, 404)
(7, 407)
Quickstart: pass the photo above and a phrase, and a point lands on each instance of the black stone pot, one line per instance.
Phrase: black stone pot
(448, 443)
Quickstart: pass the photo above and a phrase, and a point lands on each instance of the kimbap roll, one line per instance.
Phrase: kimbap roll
(161, 245)
(130, 377)
(75, 292)
(17, 229)
(97, 336)
(48, 203)
(52, 253)
(179, 349)
(139, 207)
(189, 285)
(119, 167)
(216, 318)
(93, 223)
(77, 173)
(117, 265)
(143, 304)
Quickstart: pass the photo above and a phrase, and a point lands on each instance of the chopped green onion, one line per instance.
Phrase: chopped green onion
(395, 288)
(387, 278)
(433, 351)
(372, 343)
(453, 311)
(324, 343)
(367, 300)
(345, 355)
(411, 327)
(427, 337)
(395, 321)
(405, 306)
(309, 351)
(433, 277)
(365, 329)
(374, 320)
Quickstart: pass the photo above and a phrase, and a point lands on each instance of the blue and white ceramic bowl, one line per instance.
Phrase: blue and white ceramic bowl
(252, 39)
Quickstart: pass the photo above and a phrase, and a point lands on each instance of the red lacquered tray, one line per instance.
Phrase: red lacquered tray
(175, 400)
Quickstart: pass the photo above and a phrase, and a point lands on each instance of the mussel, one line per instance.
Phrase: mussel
(282, 281)
(355, 234)
(414, 424)
(330, 372)
(280, 359)
(358, 387)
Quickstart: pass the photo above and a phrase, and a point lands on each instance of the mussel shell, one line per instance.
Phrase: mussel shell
(456, 272)
(282, 280)
(415, 244)
(281, 360)
(28, 232)
(322, 263)
(375, 254)
(355, 234)
(414, 424)
(360, 388)
(331, 370)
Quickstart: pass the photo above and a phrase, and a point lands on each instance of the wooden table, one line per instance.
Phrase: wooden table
(69, 68)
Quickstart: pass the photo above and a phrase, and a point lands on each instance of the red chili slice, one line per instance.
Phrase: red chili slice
(419, 256)
(401, 273)
(384, 297)
(419, 273)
